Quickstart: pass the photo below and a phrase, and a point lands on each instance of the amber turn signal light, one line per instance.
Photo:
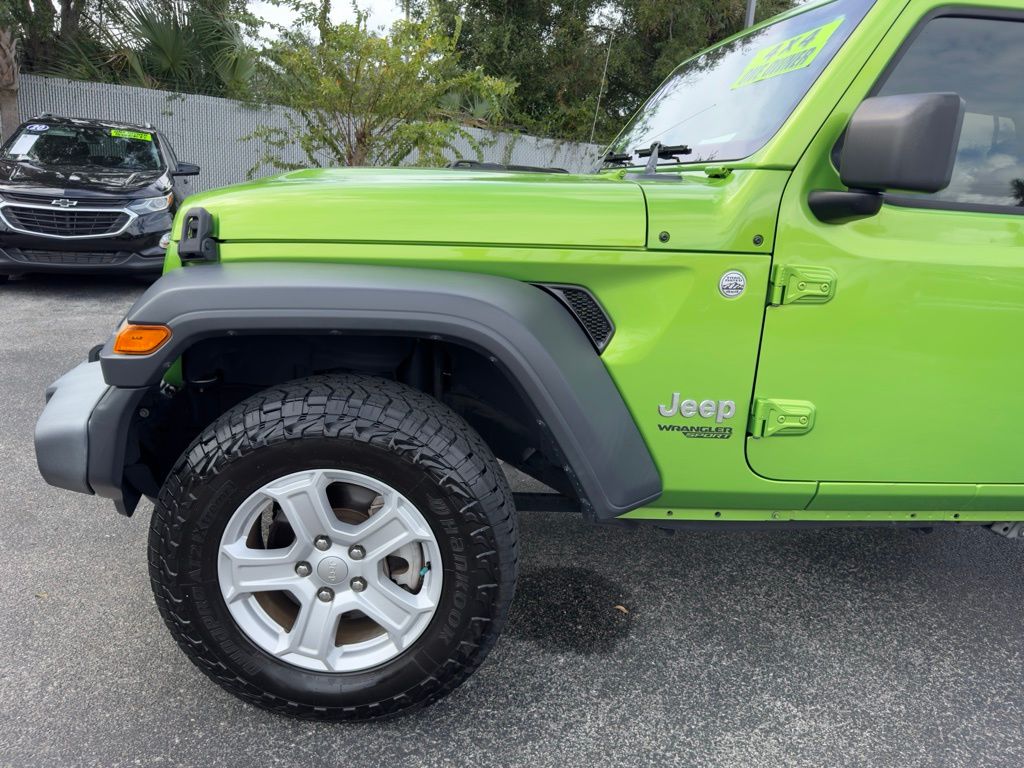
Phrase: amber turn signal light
(141, 339)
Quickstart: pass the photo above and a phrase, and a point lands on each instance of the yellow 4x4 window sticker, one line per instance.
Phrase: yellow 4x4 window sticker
(788, 55)
(120, 134)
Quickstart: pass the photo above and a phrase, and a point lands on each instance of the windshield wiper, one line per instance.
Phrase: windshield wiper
(658, 151)
(617, 158)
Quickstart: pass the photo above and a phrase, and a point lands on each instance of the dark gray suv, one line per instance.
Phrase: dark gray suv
(86, 196)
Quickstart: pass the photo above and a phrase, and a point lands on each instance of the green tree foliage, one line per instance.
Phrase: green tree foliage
(578, 67)
(45, 28)
(556, 52)
(367, 99)
(183, 45)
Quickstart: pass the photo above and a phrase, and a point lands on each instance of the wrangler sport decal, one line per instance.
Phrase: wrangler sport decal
(787, 56)
(700, 432)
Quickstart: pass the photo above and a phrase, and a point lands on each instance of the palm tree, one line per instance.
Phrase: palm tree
(178, 45)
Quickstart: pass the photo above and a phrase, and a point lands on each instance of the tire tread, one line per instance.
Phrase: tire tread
(375, 411)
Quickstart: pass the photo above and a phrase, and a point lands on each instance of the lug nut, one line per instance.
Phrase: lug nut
(356, 552)
(358, 584)
(303, 569)
(322, 543)
(326, 594)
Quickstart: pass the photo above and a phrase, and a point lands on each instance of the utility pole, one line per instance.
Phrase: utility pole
(751, 8)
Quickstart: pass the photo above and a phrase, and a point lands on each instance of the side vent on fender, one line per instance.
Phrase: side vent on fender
(587, 311)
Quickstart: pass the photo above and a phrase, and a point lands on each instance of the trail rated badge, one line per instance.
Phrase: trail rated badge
(732, 284)
(787, 56)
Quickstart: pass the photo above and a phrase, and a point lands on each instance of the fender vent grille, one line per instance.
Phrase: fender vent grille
(587, 311)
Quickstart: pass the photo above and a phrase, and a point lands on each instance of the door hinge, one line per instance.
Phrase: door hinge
(771, 417)
(801, 285)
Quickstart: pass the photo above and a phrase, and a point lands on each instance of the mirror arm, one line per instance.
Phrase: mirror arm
(840, 206)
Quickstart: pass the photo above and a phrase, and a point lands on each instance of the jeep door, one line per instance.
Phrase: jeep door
(908, 369)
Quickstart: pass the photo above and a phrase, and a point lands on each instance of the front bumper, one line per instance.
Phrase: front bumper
(136, 250)
(82, 434)
(19, 261)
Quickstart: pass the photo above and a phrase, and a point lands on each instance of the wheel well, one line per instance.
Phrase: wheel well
(217, 373)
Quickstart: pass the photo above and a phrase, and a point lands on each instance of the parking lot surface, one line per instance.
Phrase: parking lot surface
(861, 647)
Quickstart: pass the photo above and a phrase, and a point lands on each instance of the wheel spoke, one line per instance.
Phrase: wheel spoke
(392, 527)
(348, 575)
(304, 502)
(394, 609)
(259, 570)
(313, 632)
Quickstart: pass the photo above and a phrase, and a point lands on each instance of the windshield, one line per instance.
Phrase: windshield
(726, 103)
(55, 145)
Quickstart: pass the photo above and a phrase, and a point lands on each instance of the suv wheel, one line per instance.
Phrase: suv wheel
(338, 548)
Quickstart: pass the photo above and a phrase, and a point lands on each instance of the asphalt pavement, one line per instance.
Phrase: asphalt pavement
(859, 647)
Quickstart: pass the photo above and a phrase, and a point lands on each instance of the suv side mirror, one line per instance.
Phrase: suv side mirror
(906, 142)
(186, 169)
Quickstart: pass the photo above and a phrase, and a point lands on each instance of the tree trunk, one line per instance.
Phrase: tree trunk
(8, 83)
(70, 19)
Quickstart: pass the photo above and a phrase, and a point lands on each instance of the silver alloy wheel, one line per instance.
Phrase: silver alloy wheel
(320, 621)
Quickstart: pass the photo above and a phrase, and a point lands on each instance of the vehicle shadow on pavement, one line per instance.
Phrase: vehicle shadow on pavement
(91, 287)
(723, 586)
(570, 609)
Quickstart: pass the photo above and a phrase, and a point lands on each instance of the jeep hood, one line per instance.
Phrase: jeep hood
(429, 206)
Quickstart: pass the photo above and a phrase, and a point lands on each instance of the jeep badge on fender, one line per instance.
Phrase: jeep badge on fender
(705, 409)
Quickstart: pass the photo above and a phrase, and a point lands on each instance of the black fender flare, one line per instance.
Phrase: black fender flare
(519, 326)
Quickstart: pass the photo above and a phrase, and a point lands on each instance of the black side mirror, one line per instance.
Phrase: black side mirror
(186, 169)
(905, 142)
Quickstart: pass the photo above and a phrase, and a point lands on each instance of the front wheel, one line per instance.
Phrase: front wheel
(338, 548)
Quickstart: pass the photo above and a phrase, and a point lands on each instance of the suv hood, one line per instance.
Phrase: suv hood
(33, 178)
(429, 206)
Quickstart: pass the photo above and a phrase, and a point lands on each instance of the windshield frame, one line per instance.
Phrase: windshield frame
(751, 157)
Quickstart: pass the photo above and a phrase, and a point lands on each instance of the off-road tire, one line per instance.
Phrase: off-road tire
(369, 425)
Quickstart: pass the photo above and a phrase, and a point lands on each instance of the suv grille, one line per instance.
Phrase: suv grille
(64, 223)
(58, 257)
(587, 311)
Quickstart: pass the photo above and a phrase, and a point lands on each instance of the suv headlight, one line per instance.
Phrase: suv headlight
(151, 204)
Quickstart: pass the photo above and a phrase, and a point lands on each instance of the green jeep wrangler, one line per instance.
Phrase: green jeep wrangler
(788, 298)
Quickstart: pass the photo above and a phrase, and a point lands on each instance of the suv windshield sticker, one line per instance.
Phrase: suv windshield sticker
(787, 56)
(139, 135)
(23, 144)
(37, 127)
